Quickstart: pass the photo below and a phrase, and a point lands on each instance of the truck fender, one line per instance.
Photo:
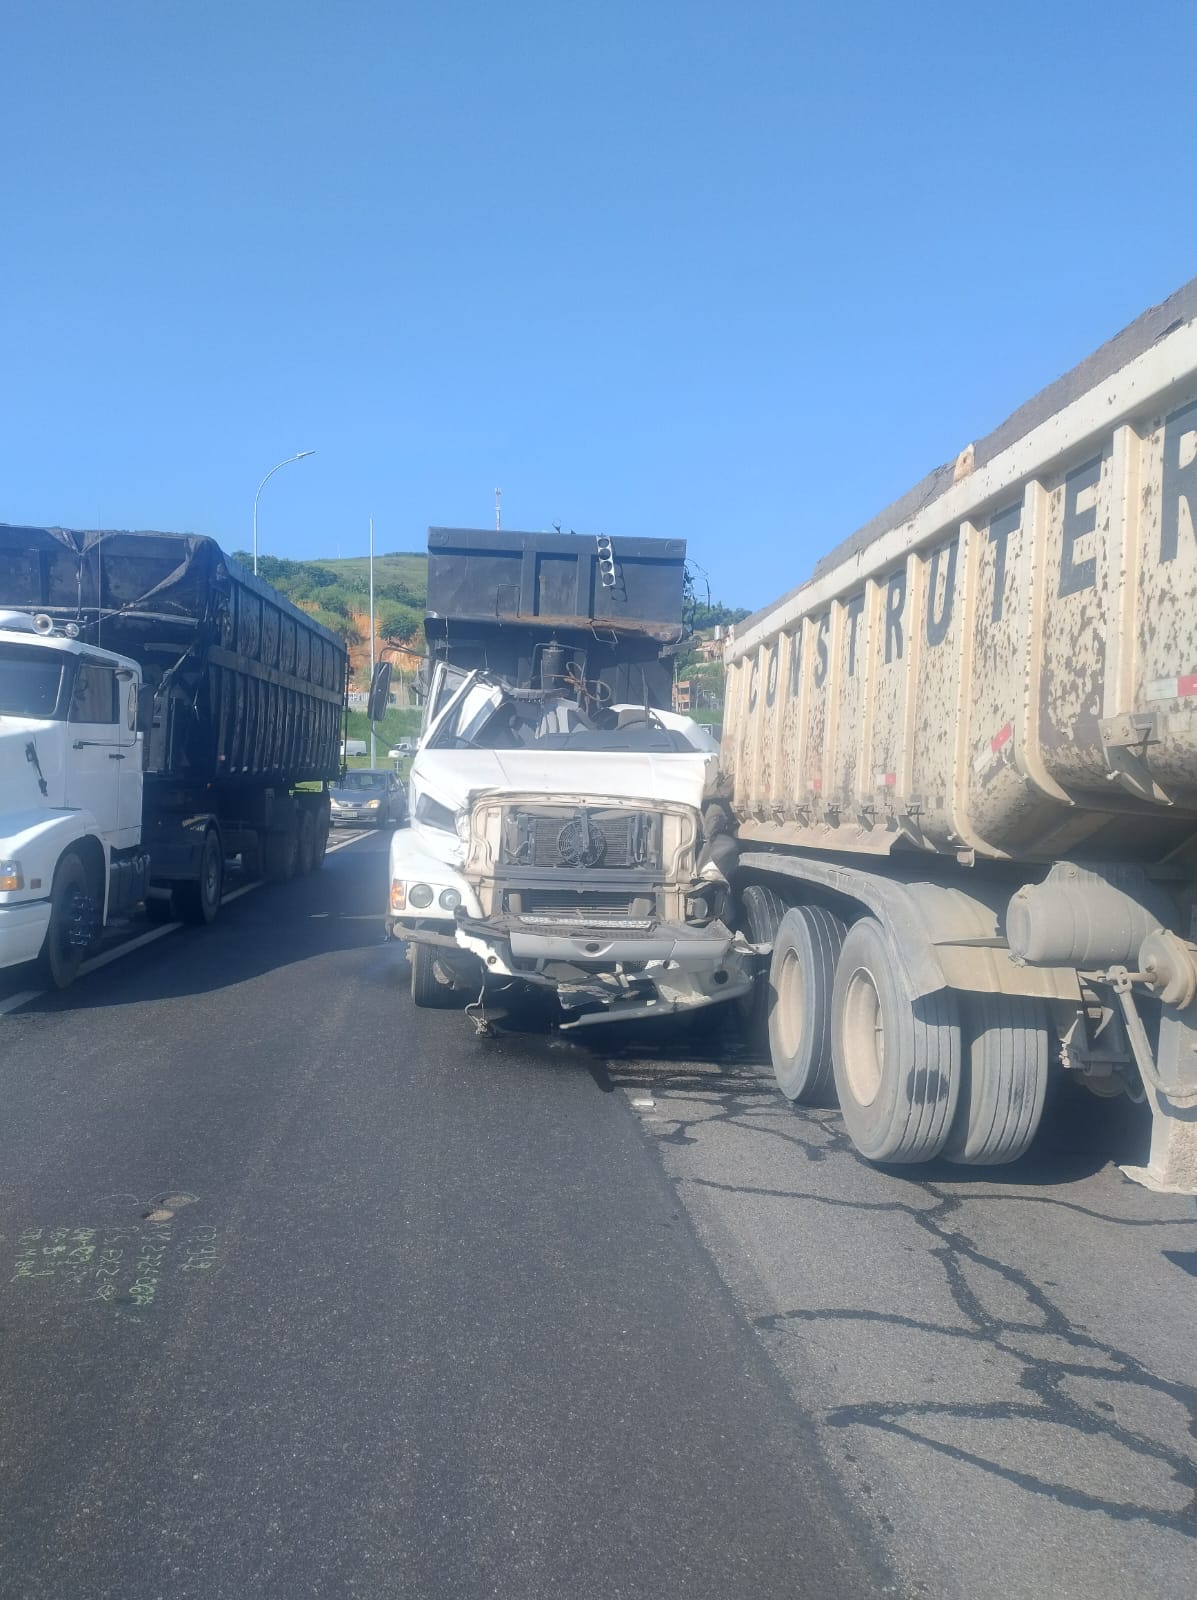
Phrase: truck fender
(411, 862)
(39, 840)
(946, 938)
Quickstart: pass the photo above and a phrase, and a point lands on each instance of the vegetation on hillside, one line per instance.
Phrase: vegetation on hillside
(337, 593)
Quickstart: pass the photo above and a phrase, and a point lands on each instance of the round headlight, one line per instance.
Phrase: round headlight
(419, 895)
(449, 900)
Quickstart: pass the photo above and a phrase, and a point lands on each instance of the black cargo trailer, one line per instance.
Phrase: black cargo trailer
(540, 608)
(242, 696)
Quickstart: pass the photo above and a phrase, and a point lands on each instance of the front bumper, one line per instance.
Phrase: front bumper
(606, 975)
(23, 927)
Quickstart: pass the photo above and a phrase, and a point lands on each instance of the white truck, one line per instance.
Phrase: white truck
(556, 837)
(559, 845)
(158, 708)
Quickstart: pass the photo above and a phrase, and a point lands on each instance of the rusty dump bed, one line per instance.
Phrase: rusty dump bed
(248, 688)
(1006, 661)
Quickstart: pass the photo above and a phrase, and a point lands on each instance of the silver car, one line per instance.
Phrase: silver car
(371, 796)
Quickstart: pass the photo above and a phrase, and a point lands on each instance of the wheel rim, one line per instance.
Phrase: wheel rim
(864, 1037)
(790, 1004)
(211, 876)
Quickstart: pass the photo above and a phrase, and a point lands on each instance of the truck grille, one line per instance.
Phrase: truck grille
(582, 839)
(591, 908)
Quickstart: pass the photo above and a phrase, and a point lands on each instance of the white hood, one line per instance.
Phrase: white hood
(457, 777)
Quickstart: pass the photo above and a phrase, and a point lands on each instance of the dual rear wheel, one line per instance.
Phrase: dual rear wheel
(915, 1076)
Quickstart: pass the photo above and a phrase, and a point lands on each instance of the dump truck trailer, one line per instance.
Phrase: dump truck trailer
(159, 709)
(960, 767)
(561, 607)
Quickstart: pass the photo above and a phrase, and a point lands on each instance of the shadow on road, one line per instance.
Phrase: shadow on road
(329, 913)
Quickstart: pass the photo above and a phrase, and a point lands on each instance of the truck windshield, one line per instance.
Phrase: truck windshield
(30, 682)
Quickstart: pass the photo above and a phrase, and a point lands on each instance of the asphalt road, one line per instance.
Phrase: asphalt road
(303, 1292)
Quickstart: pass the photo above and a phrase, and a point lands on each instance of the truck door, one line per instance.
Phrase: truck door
(95, 755)
(129, 768)
(446, 681)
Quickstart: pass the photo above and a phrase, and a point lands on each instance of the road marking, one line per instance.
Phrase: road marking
(120, 950)
(16, 1001)
(233, 894)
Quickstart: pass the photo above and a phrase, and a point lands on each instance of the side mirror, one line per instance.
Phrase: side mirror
(380, 688)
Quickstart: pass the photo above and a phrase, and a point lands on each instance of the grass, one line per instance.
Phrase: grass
(406, 568)
(394, 726)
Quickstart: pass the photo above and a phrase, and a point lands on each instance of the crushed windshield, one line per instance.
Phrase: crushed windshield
(495, 718)
(30, 682)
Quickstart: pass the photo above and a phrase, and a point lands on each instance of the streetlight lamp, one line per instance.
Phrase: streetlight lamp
(262, 485)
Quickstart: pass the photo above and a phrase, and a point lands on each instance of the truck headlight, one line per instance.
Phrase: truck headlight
(419, 895)
(711, 903)
(11, 876)
(449, 900)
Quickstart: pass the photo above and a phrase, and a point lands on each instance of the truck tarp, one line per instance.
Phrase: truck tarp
(247, 686)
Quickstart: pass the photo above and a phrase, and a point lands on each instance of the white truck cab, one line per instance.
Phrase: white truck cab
(70, 791)
(560, 846)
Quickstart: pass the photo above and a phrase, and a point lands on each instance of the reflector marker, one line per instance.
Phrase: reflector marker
(1172, 688)
(985, 759)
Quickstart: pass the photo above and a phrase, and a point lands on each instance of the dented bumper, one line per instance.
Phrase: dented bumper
(604, 974)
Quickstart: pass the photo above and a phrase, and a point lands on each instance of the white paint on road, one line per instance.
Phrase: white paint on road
(109, 956)
(15, 1001)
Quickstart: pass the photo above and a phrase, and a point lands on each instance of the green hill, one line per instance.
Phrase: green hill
(337, 593)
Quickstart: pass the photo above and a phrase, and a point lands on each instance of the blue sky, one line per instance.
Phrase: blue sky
(739, 273)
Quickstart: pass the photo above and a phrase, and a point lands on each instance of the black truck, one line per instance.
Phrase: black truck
(161, 709)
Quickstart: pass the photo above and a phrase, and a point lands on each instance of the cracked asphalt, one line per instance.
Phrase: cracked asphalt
(999, 1362)
(303, 1292)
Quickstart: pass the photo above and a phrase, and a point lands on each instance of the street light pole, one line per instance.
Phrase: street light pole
(373, 751)
(262, 485)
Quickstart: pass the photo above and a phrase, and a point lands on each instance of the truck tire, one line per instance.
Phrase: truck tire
(280, 850)
(71, 927)
(305, 855)
(1004, 1082)
(197, 900)
(761, 911)
(896, 1057)
(801, 980)
(428, 989)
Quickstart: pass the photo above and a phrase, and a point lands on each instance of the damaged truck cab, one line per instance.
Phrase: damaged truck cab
(557, 843)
